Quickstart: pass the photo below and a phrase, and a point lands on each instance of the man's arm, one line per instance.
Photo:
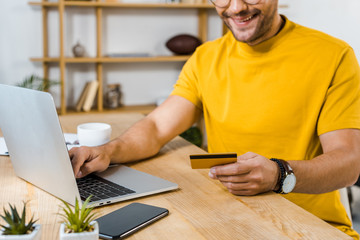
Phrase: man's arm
(144, 139)
(337, 167)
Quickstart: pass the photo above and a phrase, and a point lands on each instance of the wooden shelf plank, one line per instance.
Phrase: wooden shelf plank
(130, 5)
(138, 5)
(116, 60)
(129, 59)
(123, 5)
(45, 4)
(47, 59)
(143, 109)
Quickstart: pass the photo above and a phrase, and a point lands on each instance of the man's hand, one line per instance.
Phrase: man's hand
(250, 175)
(86, 160)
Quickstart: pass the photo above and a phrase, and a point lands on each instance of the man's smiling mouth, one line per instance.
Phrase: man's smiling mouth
(240, 20)
(246, 19)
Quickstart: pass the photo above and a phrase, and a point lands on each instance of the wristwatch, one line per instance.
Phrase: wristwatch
(287, 178)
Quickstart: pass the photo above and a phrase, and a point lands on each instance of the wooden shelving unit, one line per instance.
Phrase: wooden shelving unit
(123, 5)
(115, 60)
(99, 60)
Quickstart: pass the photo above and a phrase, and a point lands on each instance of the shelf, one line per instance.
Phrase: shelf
(143, 109)
(115, 60)
(100, 60)
(47, 60)
(123, 5)
(129, 5)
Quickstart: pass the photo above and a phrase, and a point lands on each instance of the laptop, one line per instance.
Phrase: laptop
(39, 155)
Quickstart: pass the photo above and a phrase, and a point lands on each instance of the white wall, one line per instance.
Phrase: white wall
(144, 30)
(340, 19)
(19, 39)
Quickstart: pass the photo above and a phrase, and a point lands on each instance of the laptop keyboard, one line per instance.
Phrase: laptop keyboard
(100, 188)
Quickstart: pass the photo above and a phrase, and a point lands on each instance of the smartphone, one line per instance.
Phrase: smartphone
(129, 219)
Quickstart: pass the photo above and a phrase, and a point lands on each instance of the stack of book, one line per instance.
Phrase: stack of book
(87, 96)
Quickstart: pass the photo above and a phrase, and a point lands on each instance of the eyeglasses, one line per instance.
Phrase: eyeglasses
(225, 3)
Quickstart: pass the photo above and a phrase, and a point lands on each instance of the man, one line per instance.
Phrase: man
(269, 90)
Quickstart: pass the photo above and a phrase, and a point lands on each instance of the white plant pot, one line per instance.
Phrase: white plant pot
(94, 235)
(34, 235)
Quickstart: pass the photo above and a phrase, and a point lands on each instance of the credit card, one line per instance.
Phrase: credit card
(211, 159)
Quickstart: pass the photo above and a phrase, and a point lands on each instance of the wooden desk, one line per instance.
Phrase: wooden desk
(201, 209)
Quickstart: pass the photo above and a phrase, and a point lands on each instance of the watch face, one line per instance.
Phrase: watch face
(289, 183)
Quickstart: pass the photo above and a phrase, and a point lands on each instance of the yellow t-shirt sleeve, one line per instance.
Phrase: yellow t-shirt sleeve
(341, 107)
(186, 86)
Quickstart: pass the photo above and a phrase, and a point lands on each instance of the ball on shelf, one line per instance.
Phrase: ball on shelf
(183, 44)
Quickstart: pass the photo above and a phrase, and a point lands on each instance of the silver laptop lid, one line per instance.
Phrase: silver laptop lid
(36, 144)
(29, 122)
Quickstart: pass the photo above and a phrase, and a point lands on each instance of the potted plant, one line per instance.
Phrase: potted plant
(37, 83)
(193, 135)
(16, 227)
(79, 223)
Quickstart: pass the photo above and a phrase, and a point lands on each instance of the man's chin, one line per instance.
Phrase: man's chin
(244, 37)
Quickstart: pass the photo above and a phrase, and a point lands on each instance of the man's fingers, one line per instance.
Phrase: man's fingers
(243, 189)
(250, 175)
(244, 192)
(240, 167)
(212, 175)
(78, 157)
(230, 169)
(247, 156)
(243, 178)
(86, 168)
(236, 186)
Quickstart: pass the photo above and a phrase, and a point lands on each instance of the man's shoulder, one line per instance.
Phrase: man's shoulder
(313, 36)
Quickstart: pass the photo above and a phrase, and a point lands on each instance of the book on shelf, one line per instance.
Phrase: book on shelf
(82, 97)
(90, 95)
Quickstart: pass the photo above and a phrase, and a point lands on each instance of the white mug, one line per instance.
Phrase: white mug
(93, 134)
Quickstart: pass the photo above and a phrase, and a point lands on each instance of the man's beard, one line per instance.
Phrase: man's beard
(261, 29)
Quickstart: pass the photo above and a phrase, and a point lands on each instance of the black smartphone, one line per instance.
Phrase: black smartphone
(129, 219)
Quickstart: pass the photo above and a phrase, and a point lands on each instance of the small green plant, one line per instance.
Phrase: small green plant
(193, 135)
(79, 219)
(37, 83)
(16, 225)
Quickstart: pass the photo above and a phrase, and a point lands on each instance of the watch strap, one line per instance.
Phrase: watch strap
(287, 167)
(282, 174)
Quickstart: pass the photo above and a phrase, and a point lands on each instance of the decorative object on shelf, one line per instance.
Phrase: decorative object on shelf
(78, 50)
(79, 223)
(113, 96)
(183, 44)
(16, 227)
(37, 83)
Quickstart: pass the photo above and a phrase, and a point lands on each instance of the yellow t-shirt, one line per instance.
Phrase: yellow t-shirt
(276, 98)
